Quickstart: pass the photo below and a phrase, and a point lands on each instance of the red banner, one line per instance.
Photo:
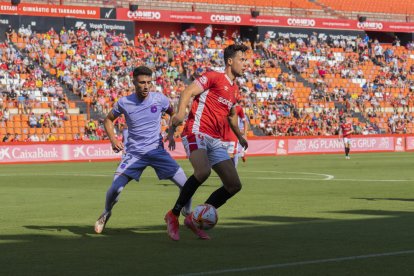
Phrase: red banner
(247, 20)
(205, 18)
(409, 143)
(101, 150)
(50, 10)
(334, 145)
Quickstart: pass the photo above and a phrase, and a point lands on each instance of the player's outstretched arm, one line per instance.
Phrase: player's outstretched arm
(171, 129)
(191, 91)
(117, 145)
(246, 128)
(233, 122)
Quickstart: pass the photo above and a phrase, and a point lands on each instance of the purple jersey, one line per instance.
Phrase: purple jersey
(143, 118)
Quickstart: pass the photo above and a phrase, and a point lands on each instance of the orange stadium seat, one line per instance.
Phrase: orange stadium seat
(374, 6)
(304, 4)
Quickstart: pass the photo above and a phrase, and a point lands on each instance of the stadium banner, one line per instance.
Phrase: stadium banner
(108, 13)
(200, 17)
(409, 143)
(399, 144)
(336, 145)
(82, 151)
(50, 10)
(263, 20)
(305, 34)
(25, 153)
(126, 27)
(261, 146)
(281, 147)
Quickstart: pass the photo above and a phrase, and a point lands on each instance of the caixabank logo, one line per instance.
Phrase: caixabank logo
(90, 151)
(28, 153)
(4, 154)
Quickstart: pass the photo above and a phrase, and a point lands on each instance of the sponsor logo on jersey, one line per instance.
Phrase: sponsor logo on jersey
(203, 80)
(225, 102)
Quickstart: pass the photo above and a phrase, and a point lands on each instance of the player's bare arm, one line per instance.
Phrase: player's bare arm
(171, 129)
(191, 91)
(233, 122)
(117, 145)
(246, 128)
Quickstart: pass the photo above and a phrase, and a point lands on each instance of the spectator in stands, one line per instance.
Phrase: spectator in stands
(33, 121)
(9, 31)
(208, 32)
(90, 127)
(51, 137)
(6, 114)
(7, 138)
(34, 138)
(16, 138)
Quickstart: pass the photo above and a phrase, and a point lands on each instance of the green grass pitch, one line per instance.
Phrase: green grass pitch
(296, 215)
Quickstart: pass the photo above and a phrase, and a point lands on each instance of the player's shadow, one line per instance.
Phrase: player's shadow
(88, 231)
(278, 219)
(389, 198)
(237, 242)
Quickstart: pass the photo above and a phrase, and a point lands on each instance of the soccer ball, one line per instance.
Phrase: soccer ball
(204, 216)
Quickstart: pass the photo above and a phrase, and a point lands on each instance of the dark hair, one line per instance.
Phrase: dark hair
(142, 70)
(230, 51)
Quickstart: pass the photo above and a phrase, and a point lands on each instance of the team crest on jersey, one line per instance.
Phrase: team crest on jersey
(154, 108)
(203, 80)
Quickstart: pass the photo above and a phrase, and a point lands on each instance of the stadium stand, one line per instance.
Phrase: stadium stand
(372, 6)
(291, 87)
(33, 105)
(383, 10)
(276, 102)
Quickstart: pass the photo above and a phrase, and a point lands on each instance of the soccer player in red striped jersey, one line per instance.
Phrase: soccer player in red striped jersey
(214, 103)
(345, 130)
(230, 141)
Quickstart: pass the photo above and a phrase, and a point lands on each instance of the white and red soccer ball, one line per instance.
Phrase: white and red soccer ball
(204, 216)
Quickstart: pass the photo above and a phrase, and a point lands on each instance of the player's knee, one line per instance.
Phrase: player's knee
(234, 188)
(202, 174)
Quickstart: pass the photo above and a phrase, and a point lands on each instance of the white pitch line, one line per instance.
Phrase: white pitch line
(374, 180)
(320, 261)
(327, 176)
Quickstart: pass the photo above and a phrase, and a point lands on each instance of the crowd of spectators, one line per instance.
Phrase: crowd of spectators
(359, 76)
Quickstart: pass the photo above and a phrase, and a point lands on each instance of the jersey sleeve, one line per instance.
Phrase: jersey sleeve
(207, 80)
(118, 109)
(165, 103)
(240, 113)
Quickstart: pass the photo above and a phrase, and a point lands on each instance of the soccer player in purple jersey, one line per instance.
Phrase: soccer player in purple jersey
(144, 146)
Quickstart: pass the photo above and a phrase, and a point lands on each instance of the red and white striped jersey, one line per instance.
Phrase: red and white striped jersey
(210, 109)
(228, 134)
(346, 129)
